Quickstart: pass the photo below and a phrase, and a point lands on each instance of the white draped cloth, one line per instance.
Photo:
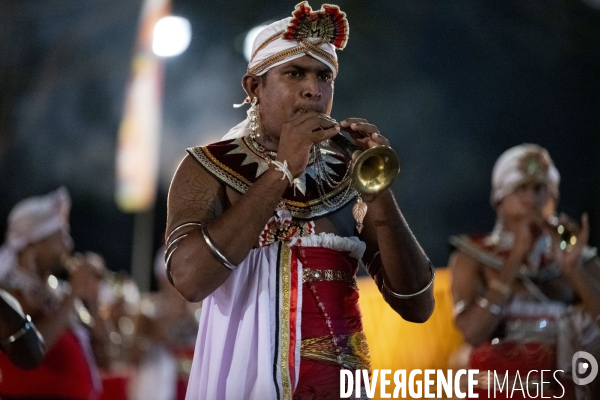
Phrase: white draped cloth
(249, 336)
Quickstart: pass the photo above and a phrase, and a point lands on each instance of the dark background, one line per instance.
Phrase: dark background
(452, 84)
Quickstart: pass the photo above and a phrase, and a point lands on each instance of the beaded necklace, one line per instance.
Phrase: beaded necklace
(338, 350)
(267, 154)
(271, 154)
(323, 175)
(316, 161)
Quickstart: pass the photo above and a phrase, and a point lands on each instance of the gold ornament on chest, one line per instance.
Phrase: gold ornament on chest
(283, 230)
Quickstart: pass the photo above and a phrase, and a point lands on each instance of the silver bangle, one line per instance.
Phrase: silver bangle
(216, 251)
(168, 266)
(169, 253)
(15, 336)
(172, 245)
(487, 305)
(409, 296)
(177, 228)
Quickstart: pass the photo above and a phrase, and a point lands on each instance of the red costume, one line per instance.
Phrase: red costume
(64, 374)
(536, 334)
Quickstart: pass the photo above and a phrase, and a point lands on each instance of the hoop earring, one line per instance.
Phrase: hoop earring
(254, 117)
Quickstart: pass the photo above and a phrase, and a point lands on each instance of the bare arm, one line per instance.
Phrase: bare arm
(479, 298)
(476, 323)
(586, 281)
(403, 266)
(196, 196)
(402, 263)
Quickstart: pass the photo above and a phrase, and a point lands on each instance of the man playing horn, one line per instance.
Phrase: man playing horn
(261, 229)
(527, 295)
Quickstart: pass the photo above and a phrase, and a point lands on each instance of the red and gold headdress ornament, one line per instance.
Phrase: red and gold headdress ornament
(307, 32)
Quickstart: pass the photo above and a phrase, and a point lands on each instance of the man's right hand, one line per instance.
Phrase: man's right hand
(82, 279)
(299, 134)
(527, 230)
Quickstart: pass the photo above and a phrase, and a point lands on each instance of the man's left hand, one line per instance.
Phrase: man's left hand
(571, 260)
(365, 135)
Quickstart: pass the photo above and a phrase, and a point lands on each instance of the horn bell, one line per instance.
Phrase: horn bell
(375, 169)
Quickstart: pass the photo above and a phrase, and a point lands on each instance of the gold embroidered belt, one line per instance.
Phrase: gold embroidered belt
(319, 275)
(354, 350)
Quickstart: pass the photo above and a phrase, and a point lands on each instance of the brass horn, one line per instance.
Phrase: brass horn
(374, 169)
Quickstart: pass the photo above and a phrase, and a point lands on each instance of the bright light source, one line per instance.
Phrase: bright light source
(171, 36)
(249, 40)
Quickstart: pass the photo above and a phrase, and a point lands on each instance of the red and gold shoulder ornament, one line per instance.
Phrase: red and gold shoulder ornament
(238, 163)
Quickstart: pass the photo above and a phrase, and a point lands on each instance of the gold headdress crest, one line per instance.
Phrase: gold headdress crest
(328, 24)
(318, 33)
(533, 164)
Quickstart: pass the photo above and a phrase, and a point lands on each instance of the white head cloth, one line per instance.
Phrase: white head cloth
(520, 164)
(270, 49)
(32, 220)
(266, 50)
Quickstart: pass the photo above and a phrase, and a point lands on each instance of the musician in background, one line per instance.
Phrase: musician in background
(37, 246)
(527, 295)
(261, 228)
(118, 308)
(165, 335)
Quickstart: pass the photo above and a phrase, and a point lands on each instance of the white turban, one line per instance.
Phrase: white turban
(32, 220)
(520, 164)
(314, 33)
(307, 32)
